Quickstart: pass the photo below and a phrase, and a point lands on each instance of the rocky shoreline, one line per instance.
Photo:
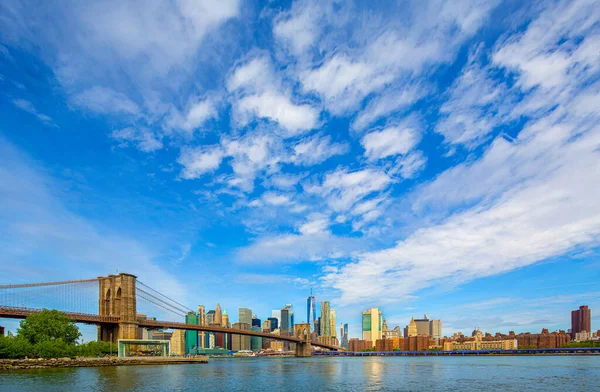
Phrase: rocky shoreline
(40, 363)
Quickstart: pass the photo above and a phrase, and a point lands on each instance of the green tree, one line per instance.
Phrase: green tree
(96, 349)
(56, 348)
(48, 325)
(14, 347)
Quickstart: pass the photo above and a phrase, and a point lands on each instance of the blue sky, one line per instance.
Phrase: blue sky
(423, 157)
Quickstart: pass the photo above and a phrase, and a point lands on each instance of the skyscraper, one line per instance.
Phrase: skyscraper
(435, 329)
(225, 319)
(274, 323)
(285, 320)
(372, 325)
(290, 316)
(325, 323)
(581, 320)
(344, 333)
(245, 316)
(191, 336)
(201, 321)
(256, 321)
(422, 325)
(218, 315)
(411, 329)
(332, 322)
(277, 315)
(311, 310)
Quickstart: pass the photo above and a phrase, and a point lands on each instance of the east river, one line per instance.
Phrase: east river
(523, 373)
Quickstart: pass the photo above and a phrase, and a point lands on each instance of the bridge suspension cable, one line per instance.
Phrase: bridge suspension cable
(162, 295)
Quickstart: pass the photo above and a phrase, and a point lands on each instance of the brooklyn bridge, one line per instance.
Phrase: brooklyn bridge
(121, 304)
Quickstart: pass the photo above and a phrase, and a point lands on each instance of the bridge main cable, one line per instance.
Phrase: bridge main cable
(25, 285)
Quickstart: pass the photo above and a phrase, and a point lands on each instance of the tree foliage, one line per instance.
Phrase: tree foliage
(50, 334)
(49, 325)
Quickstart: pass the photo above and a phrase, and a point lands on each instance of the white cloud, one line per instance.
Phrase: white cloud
(399, 52)
(253, 76)
(316, 149)
(198, 161)
(104, 100)
(317, 224)
(284, 181)
(299, 28)
(342, 189)
(524, 201)
(476, 104)
(409, 165)
(295, 118)
(387, 103)
(198, 112)
(276, 199)
(144, 139)
(389, 142)
(30, 108)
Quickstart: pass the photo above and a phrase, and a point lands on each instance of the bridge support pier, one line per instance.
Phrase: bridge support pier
(303, 349)
(118, 298)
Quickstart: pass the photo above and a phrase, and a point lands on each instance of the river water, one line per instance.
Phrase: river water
(531, 373)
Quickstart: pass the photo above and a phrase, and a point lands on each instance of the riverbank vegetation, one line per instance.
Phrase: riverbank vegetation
(50, 334)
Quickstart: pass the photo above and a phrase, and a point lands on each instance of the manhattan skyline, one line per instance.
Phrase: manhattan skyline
(393, 157)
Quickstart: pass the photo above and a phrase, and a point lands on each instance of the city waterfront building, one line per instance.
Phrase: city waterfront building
(256, 342)
(191, 336)
(239, 342)
(344, 334)
(178, 342)
(225, 319)
(411, 329)
(266, 325)
(285, 317)
(290, 309)
(332, 322)
(276, 345)
(274, 323)
(245, 316)
(210, 317)
(256, 321)
(581, 320)
(422, 325)
(218, 319)
(435, 329)
(478, 343)
(325, 321)
(277, 314)
(201, 321)
(372, 325)
(311, 309)
(357, 345)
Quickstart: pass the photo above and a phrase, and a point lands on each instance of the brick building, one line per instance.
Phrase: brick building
(359, 345)
(581, 320)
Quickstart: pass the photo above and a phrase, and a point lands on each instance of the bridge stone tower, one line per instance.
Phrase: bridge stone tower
(302, 331)
(118, 298)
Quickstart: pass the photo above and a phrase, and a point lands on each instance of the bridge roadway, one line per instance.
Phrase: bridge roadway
(21, 313)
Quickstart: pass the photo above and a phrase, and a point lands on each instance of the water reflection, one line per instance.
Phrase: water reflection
(324, 374)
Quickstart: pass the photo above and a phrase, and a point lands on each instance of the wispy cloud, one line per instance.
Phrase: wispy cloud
(29, 108)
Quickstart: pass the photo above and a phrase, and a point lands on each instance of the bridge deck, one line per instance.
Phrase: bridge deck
(21, 313)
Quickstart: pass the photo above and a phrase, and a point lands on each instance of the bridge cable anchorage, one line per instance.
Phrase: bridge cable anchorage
(161, 300)
(161, 306)
(170, 299)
